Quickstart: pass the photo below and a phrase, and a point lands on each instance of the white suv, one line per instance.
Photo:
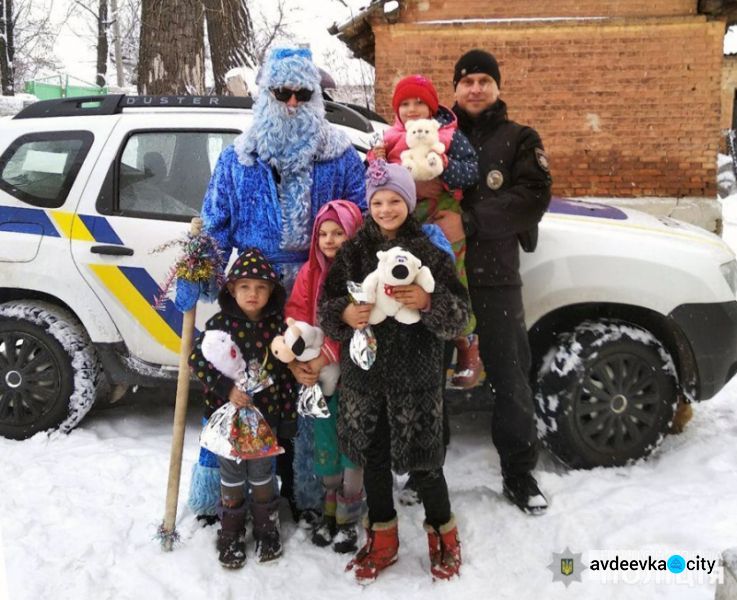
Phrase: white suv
(626, 312)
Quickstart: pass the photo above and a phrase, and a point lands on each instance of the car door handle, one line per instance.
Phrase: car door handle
(113, 250)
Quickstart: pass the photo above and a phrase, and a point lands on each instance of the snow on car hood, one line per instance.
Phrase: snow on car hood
(634, 220)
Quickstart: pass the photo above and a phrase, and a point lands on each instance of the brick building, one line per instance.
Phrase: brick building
(625, 94)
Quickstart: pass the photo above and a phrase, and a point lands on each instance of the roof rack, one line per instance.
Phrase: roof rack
(115, 103)
(338, 114)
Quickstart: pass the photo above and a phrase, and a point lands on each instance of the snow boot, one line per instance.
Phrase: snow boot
(346, 516)
(231, 542)
(266, 530)
(524, 492)
(325, 531)
(468, 362)
(445, 549)
(378, 553)
(410, 495)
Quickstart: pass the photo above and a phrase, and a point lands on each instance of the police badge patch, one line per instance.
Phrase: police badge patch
(542, 159)
(494, 179)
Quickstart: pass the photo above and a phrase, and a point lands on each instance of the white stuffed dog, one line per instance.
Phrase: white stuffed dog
(396, 266)
(423, 158)
(303, 342)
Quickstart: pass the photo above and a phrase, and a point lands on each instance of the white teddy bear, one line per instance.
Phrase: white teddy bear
(423, 158)
(396, 266)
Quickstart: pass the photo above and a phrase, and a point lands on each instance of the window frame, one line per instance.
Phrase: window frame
(108, 200)
(85, 136)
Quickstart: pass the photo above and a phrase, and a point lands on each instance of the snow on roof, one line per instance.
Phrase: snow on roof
(730, 41)
(508, 20)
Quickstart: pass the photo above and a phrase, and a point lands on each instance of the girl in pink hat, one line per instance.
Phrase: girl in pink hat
(335, 223)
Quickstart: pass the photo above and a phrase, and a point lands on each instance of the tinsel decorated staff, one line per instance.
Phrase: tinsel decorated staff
(196, 273)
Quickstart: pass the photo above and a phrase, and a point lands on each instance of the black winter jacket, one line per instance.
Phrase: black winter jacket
(511, 159)
(277, 402)
(406, 379)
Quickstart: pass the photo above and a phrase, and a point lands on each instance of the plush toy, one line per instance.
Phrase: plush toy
(303, 342)
(396, 267)
(423, 156)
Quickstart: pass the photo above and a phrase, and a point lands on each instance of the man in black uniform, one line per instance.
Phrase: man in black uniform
(500, 214)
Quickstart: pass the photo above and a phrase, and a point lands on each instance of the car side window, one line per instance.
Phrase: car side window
(164, 174)
(40, 168)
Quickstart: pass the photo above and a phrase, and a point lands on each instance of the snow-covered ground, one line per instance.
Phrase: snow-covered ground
(79, 513)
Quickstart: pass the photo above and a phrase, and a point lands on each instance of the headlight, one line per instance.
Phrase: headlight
(729, 272)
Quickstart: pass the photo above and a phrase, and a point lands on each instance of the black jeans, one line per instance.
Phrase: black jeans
(378, 482)
(505, 352)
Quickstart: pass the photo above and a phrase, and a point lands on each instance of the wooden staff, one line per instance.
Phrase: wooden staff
(168, 532)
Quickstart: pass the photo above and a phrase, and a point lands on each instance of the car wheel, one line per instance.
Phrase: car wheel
(606, 394)
(49, 371)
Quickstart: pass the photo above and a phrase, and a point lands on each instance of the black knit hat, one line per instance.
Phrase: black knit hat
(477, 61)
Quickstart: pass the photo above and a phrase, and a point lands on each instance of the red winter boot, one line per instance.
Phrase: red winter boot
(379, 552)
(468, 362)
(445, 550)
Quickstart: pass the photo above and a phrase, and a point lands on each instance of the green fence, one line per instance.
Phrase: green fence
(61, 86)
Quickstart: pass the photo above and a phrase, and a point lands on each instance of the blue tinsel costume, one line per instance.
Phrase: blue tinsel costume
(264, 193)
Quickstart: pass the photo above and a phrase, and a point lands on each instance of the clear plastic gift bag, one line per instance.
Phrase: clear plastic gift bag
(253, 378)
(215, 436)
(251, 437)
(311, 402)
(239, 433)
(232, 432)
(362, 347)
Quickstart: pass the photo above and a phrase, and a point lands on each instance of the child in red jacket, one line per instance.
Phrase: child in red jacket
(334, 224)
(414, 98)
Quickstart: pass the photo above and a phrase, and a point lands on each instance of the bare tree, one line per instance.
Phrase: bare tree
(355, 79)
(268, 30)
(230, 36)
(171, 56)
(7, 47)
(26, 41)
(102, 28)
(128, 19)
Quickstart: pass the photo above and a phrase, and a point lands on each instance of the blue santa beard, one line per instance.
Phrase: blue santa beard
(288, 140)
(287, 137)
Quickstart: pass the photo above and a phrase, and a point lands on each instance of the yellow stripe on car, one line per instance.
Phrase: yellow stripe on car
(71, 226)
(127, 294)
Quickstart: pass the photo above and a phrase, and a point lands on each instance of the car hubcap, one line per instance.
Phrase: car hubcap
(617, 404)
(29, 378)
(13, 379)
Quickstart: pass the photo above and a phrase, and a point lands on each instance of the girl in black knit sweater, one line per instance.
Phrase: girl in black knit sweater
(391, 415)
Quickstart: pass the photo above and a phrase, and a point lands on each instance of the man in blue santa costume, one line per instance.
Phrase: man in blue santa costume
(264, 192)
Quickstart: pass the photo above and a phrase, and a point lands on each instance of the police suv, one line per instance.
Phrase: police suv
(627, 313)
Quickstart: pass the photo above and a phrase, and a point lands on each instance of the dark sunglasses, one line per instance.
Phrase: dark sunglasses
(283, 94)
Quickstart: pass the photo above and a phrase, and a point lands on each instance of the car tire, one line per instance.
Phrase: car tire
(606, 394)
(49, 371)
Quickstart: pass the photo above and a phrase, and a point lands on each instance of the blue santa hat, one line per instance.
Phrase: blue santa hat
(290, 67)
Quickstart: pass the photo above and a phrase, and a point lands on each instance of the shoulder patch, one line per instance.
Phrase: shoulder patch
(542, 159)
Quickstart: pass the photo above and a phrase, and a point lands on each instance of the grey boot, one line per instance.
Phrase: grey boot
(347, 513)
(266, 530)
(231, 543)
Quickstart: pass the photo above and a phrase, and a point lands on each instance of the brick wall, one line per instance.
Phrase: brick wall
(629, 107)
(426, 10)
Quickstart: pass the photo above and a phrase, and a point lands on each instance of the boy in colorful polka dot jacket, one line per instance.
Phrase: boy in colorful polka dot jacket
(415, 97)
(252, 312)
